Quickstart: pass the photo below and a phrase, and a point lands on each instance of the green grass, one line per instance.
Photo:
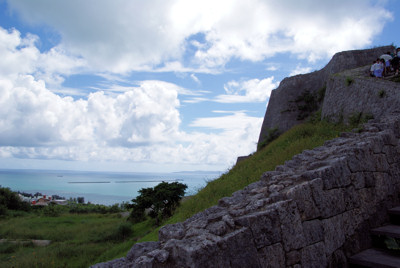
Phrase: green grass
(85, 239)
(77, 240)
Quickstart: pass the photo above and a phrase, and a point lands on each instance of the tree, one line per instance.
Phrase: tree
(10, 200)
(161, 201)
(81, 200)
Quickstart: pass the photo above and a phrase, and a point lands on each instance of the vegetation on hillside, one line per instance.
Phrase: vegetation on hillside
(161, 201)
(79, 240)
(301, 137)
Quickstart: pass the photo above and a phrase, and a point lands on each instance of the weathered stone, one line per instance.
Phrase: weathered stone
(314, 256)
(171, 231)
(196, 251)
(367, 202)
(337, 259)
(313, 231)
(382, 185)
(229, 221)
(282, 111)
(239, 250)
(303, 197)
(117, 263)
(159, 255)
(357, 179)
(369, 179)
(293, 257)
(272, 256)
(218, 228)
(144, 262)
(141, 249)
(332, 203)
(351, 199)
(334, 233)
(265, 227)
(291, 227)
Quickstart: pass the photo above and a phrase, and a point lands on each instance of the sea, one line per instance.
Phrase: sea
(105, 188)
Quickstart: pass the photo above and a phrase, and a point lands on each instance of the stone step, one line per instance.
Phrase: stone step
(375, 258)
(394, 215)
(395, 211)
(387, 230)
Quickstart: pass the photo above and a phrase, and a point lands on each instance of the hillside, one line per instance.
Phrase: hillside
(313, 210)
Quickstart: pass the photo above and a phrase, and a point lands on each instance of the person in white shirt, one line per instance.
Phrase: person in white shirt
(378, 68)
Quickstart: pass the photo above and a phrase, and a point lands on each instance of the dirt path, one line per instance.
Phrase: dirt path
(35, 242)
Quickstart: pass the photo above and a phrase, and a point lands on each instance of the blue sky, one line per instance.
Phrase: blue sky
(160, 85)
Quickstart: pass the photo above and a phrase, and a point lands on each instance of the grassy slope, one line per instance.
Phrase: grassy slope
(76, 240)
(82, 240)
(294, 141)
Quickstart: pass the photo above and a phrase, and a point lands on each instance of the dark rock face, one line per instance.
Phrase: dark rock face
(313, 211)
(283, 107)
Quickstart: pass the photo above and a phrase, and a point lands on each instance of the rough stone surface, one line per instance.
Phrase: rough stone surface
(367, 95)
(283, 111)
(313, 211)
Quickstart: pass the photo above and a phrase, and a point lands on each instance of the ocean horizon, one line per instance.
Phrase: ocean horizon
(105, 188)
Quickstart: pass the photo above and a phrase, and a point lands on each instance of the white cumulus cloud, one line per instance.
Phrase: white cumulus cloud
(254, 90)
(124, 35)
(141, 123)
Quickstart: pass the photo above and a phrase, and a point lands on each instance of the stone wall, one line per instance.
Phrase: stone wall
(352, 92)
(313, 211)
(282, 111)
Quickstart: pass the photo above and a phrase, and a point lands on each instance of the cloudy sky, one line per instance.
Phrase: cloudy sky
(160, 85)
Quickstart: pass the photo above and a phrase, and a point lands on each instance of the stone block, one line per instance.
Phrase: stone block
(313, 256)
(334, 175)
(140, 249)
(264, 226)
(351, 199)
(337, 259)
(358, 180)
(334, 233)
(293, 257)
(239, 251)
(171, 231)
(272, 256)
(367, 202)
(291, 227)
(198, 251)
(313, 231)
(330, 202)
(218, 228)
(384, 185)
(302, 195)
(159, 255)
(380, 163)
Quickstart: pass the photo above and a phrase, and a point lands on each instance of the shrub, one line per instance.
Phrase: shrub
(349, 80)
(321, 94)
(10, 200)
(52, 211)
(355, 118)
(358, 118)
(308, 103)
(273, 133)
(161, 201)
(3, 210)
